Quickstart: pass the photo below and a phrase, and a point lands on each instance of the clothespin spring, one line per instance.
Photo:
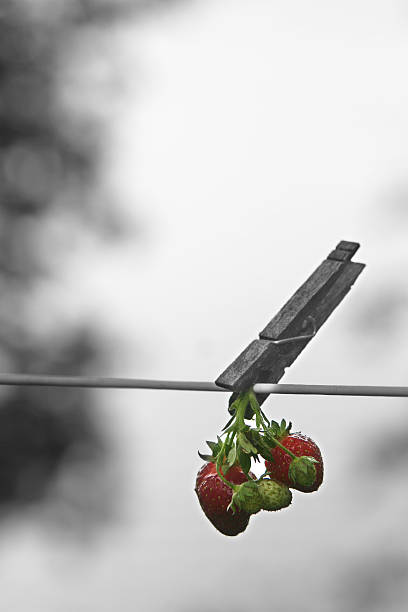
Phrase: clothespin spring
(309, 319)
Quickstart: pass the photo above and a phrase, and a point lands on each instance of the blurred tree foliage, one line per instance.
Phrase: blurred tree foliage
(44, 164)
(39, 428)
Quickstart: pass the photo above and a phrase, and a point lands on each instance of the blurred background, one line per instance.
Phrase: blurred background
(170, 172)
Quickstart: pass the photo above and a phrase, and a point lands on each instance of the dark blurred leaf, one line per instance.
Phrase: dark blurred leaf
(48, 160)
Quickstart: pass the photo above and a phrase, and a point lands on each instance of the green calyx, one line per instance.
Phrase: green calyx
(215, 448)
(302, 471)
(277, 431)
(274, 494)
(246, 497)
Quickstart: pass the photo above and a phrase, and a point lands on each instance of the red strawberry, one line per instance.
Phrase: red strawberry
(215, 496)
(301, 446)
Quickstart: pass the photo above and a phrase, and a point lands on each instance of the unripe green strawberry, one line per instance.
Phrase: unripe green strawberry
(247, 497)
(274, 494)
(302, 472)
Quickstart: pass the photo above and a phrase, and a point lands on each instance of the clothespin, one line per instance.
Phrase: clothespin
(297, 322)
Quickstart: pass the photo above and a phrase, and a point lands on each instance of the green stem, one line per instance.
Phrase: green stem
(237, 426)
(227, 482)
(237, 422)
(260, 421)
(219, 460)
(240, 412)
(257, 409)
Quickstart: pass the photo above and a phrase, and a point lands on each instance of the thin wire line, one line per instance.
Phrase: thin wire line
(47, 380)
(185, 385)
(353, 390)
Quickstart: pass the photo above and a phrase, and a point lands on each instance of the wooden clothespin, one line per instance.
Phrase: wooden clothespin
(287, 334)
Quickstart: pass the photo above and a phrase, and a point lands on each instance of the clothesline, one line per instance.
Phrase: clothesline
(185, 385)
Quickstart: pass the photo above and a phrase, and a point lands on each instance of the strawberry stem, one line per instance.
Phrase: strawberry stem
(259, 419)
(238, 425)
(220, 459)
(227, 482)
(240, 413)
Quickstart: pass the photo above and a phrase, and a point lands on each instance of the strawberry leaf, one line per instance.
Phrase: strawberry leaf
(261, 443)
(245, 444)
(266, 454)
(229, 423)
(232, 456)
(244, 461)
(212, 445)
(264, 415)
(205, 457)
(269, 437)
(215, 447)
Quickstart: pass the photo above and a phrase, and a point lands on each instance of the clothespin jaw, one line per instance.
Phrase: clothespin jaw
(287, 334)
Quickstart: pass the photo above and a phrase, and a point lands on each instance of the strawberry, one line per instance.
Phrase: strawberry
(303, 475)
(247, 497)
(274, 494)
(215, 497)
